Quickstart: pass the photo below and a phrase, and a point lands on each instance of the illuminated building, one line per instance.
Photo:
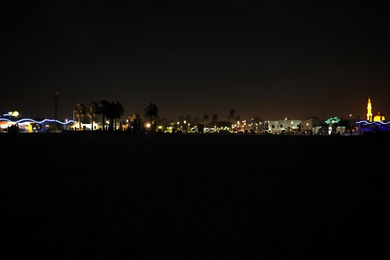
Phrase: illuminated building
(373, 124)
(369, 110)
(379, 117)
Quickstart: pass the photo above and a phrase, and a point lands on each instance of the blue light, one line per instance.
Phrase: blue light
(373, 123)
(27, 120)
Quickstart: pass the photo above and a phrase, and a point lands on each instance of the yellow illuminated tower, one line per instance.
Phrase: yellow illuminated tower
(369, 109)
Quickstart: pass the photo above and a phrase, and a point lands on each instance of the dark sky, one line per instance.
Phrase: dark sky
(271, 59)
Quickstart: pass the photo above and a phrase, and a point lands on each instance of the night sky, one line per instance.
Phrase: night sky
(267, 59)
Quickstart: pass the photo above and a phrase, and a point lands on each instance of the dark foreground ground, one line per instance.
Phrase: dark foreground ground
(121, 196)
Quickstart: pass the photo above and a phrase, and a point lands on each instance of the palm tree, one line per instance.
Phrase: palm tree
(231, 117)
(79, 112)
(231, 114)
(151, 112)
(135, 122)
(115, 110)
(93, 110)
(104, 106)
(205, 119)
(215, 118)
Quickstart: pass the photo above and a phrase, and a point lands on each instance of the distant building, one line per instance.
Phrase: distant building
(373, 124)
(284, 126)
(377, 118)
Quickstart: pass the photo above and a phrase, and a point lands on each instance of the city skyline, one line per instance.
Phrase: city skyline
(210, 117)
(271, 59)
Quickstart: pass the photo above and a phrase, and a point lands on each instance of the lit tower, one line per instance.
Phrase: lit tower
(369, 113)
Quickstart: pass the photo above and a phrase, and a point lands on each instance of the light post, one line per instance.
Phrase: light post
(55, 108)
(350, 124)
(55, 105)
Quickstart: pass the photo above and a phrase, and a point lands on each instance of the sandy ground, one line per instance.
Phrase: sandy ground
(104, 196)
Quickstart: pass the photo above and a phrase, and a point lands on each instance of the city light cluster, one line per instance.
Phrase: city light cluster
(29, 120)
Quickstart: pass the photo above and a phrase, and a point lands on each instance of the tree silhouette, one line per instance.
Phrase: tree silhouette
(104, 106)
(215, 118)
(231, 115)
(151, 112)
(79, 112)
(135, 123)
(205, 119)
(115, 111)
(93, 110)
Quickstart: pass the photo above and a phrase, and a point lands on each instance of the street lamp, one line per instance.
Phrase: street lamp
(55, 104)
(55, 109)
(350, 124)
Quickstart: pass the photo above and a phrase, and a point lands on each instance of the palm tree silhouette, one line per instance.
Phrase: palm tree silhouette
(205, 119)
(232, 117)
(104, 106)
(135, 122)
(93, 110)
(80, 111)
(115, 111)
(215, 118)
(151, 112)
